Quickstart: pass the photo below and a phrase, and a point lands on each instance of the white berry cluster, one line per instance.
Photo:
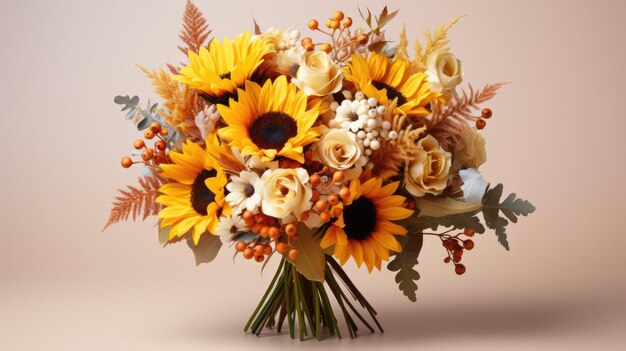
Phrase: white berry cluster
(290, 39)
(363, 117)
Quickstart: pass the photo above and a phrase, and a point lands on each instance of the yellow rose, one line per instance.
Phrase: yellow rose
(318, 75)
(286, 191)
(339, 150)
(444, 71)
(427, 173)
(470, 150)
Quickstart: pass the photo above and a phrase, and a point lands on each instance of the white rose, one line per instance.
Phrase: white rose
(428, 172)
(286, 191)
(444, 71)
(338, 149)
(318, 75)
(470, 150)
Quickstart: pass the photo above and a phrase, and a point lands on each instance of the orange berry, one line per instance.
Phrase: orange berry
(259, 217)
(344, 193)
(325, 47)
(315, 196)
(160, 145)
(259, 258)
(481, 124)
(126, 162)
(333, 200)
(259, 250)
(325, 217)
(339, 176)
(309, 47)
(487, 113)
(240, 246)
(268, 250)
(274, 233)
(164, 131)
(313, 24)
(139, 144)
(249, 222)
(147, 155)
(247, 215)
(281, 248)
(248, 253)
(155, 127)
(315, 179)
(347, 22)
(256, 227)
(321, 205)
(459, 269)
(148, 134)
(337, 211)
(334, 23)
(306, 40)
(468, 244)
(291, 229)
(305, 215)
(293, 254)
(265, 231)
(328, 22)
(469, 232)
(338, 15)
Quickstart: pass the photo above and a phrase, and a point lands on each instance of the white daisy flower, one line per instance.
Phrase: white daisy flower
(245, 192)
(229, 227)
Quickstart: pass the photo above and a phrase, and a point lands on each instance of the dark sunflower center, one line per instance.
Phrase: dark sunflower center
(392, 93)
(359, 218)
(225, 75)
(272, 130)
(201, 196)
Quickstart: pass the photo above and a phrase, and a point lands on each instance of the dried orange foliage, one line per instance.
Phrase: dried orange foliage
(136, 201)
(392, 155)
(448, 122)
(195, 32)
(181, 103)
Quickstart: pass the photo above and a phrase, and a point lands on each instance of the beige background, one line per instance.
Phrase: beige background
(556, 139)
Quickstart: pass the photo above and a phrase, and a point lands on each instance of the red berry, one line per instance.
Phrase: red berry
(459, 269)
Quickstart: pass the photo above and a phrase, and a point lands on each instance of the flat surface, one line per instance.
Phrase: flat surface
(556, 138)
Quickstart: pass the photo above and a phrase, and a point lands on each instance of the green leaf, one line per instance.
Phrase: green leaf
(457, 221)
(311, 261)
(436, 206)
(511, 207)
(207, 248)
(403, 263)
(164, 234)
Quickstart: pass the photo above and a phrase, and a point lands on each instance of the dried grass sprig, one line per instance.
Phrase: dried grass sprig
(434, 42)
(136, 202)
(181, 103)
(448, 122)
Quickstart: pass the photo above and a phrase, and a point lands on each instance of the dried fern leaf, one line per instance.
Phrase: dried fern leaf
(136, 201)
(402, 52)
(195, 30)
(433, 42)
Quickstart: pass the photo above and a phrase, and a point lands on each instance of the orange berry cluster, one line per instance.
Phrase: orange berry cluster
(328, 209)
(269, 233)
(337, 22)
(486, 113)
(155, 155)
(455, 246)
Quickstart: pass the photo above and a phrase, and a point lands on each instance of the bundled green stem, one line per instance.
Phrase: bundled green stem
(292, 297)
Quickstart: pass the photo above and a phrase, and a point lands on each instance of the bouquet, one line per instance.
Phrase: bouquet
(315, 152)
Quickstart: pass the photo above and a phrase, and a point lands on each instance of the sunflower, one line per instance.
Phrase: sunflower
(383, 79)
(269, 121)
(224, 67)
(364, 229)
(194, 199)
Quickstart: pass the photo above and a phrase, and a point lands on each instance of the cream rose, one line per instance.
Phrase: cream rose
(470, 150)
(318, 75)
(286, 191)
(428, 172)
(444, 71)
(338, 149)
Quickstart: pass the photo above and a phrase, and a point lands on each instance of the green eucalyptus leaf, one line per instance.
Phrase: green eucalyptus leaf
(207, 249)
(311, 261)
